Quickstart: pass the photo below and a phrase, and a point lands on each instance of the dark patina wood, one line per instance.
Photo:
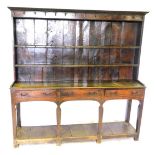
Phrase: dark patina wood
(63, 55)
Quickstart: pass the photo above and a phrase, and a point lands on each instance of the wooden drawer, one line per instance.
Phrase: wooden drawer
(36, 94)
(80, 94)
(124, 93)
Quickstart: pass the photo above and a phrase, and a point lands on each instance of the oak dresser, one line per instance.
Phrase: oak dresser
(64, 55)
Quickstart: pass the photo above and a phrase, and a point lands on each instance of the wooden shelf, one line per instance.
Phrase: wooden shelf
(36, 134)
(69, 46)
(47, 134)
(78, 65)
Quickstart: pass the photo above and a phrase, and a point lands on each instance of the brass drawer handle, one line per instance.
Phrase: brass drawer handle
(134, 93)
(92, 93)
(67, 94)
(114, 93)
(24, 94)
(47, 94)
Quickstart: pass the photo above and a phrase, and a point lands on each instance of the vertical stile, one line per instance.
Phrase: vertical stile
(44, 69)
(129, 38)
(68, 53)
(85, 38)
(92, 42)
(105, 53)
(24, 36)
(54, 55)
(115, 53)
(138, 51)
(40, 53)
(96, 52)
(77, 51)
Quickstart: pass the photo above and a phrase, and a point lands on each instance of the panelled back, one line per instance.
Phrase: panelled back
(48, 50)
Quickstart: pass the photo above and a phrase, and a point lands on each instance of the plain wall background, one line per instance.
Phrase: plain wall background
(84, 111)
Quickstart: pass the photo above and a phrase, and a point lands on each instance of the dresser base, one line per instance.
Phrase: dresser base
(59, 133)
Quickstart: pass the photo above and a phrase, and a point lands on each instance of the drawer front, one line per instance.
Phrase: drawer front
(36, 94)
(80, 94)
(124, 93)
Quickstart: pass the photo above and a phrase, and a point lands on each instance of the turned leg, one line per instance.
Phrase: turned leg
(18, 115)
(58, 124)
(128, 111)
(99, 134)
(139, 117)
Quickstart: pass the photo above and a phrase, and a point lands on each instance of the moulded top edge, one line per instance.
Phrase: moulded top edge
(78, 11)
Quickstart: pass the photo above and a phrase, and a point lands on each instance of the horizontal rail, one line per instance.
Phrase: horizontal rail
(75, 65)
(88, 47)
